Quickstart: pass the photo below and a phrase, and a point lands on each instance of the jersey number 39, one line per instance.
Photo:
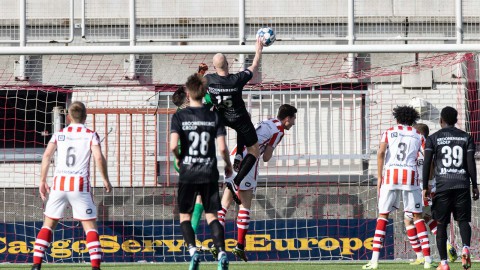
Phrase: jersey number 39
(452, 155)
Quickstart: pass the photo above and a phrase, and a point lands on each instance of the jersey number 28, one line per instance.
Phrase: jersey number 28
(198, 143)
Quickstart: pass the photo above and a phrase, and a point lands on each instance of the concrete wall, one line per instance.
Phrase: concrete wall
(229, 8)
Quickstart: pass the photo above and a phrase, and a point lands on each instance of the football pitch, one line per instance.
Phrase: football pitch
(233, 266)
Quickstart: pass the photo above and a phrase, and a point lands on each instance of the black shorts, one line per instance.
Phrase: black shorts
(187, 195)
(456, 201)
(244, 128)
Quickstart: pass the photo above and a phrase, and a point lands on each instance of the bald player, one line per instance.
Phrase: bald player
(225, 90)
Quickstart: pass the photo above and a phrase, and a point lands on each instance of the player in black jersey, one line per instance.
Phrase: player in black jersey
(225, 90)
(197, 127)
(452, 151)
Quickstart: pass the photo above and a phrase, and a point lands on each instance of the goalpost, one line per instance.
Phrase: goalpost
(316, 199)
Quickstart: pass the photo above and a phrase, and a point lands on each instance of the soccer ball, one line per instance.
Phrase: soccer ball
(266, 35)
(451, 252)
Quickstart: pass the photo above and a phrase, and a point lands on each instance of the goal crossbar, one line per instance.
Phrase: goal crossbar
(238, 49)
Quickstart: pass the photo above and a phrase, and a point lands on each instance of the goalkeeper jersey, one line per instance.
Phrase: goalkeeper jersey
(226, 93)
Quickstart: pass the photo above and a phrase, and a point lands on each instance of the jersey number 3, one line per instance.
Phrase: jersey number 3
(198, 143)
(402, 149)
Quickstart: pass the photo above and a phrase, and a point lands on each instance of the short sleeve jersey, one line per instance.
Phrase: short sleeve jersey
(403, 146)
(270, 132)
(197, 129)
(450, 146)
(226, 93)
(72, 171)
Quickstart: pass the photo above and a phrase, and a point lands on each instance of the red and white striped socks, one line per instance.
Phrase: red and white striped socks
(378, 238)
(413, 238)
(432, 224)
(422, 235)
(42, 242)
(94, 248)
(221, 215)
(243, 220)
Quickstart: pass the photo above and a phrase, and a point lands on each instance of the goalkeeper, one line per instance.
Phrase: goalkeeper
(270, 132)
(226, 92)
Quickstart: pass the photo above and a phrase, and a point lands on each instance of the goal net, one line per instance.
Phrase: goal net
(316, 198)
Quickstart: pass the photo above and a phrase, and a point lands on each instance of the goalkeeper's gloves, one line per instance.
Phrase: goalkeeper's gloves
(202, 68)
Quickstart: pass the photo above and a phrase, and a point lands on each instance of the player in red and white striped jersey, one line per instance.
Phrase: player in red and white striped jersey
(269, 132)
(71, 185)
(398, 177)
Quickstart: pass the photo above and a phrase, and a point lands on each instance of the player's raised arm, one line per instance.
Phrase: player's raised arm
(102, 166)
(258, 54)
(46, 160)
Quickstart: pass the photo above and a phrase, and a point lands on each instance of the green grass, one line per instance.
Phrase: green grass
(233, 266)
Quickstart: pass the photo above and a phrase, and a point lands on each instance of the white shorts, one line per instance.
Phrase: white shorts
(427, 211)
(83, 207)
(389, 200)
(250, 180)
